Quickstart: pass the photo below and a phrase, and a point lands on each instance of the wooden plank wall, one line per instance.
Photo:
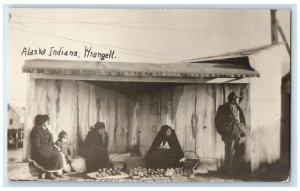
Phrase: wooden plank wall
(133, 118)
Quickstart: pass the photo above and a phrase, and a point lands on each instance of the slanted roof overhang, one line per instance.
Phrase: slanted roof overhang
(236, 68)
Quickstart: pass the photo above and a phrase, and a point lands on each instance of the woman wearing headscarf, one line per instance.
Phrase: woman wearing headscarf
(43, 150)
(95, 148)
(165, 151)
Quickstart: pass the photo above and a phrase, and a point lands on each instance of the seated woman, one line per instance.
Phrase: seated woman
(95, 148)
(43, 150)
(165, 151)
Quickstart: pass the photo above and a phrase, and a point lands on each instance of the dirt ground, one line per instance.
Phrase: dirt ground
(271, 173)
(15, 155)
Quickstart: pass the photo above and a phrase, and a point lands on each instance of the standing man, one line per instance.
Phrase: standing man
(230, 123)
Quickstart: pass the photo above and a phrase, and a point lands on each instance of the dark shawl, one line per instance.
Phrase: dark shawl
(164, 158)
(95, 151)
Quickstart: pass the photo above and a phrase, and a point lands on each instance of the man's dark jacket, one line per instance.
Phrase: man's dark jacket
(227, 126)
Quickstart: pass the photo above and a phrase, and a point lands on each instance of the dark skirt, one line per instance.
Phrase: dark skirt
(97, 158)
(162, 159)
(50, 160)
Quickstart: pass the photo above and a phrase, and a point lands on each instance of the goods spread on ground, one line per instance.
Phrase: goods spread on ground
(142, 174)
(139, 172)
(108, 172)
(105, 173)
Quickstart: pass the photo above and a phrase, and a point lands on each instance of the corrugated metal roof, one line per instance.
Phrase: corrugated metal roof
(224, 69)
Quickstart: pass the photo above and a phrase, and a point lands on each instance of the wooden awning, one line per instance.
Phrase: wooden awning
(185, 72)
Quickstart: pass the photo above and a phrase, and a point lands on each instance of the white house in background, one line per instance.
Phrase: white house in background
(15, 125)
(15, 117)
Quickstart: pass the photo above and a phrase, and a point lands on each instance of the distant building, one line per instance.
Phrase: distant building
(15, 125)
(15, 117)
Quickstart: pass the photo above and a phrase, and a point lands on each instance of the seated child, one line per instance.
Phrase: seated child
(64, 147)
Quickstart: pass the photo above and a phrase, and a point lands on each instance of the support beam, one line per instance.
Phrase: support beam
(274, 32)
(29, 116)
(283, 38)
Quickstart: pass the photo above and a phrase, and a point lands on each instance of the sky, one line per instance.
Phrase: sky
(136, 35)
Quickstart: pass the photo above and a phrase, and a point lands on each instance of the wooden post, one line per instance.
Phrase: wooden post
(283, 38)
(274, 32)
(29, 116)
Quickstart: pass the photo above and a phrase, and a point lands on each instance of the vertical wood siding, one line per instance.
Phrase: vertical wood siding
(133, 118)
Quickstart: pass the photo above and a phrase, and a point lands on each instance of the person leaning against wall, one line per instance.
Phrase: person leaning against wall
(231, 125)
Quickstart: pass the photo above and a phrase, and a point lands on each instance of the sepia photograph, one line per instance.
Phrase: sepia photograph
(148, 95)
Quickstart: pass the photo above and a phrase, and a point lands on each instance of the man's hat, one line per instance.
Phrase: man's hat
(232, 96)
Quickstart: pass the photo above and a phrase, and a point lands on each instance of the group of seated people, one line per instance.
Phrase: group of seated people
(56, 158)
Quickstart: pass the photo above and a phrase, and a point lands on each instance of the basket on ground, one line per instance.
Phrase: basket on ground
(117, 162)
(192, 160)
